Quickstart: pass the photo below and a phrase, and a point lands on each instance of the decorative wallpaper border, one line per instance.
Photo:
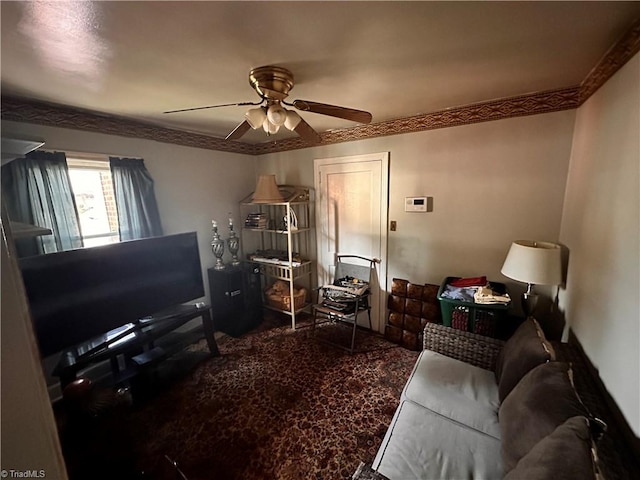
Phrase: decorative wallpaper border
(544, 102)
(42, 113)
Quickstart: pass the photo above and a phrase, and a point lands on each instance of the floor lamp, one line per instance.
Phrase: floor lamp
(533, 263)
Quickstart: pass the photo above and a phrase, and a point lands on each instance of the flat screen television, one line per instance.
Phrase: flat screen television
(79, 294)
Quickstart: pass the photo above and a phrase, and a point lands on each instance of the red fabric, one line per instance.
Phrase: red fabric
(469, 282)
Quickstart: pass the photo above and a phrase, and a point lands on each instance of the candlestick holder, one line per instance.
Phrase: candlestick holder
(217, 247)
(234, 244)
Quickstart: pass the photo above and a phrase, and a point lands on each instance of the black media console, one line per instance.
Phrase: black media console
(135, 343)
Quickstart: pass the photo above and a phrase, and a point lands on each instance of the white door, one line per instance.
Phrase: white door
(351, 218)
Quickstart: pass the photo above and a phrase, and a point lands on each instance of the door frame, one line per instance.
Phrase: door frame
(383, 159)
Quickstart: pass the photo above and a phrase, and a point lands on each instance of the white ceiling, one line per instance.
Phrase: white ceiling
(393, 59)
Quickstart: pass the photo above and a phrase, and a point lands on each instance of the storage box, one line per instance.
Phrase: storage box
(471, 316)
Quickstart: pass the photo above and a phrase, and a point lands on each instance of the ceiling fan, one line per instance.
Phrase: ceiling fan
(273, 85)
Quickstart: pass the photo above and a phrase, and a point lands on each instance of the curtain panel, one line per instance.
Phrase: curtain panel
(37, 190)
(138, 214)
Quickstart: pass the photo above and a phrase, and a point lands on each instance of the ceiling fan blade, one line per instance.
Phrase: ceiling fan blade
(239, 131)
(305, 131)
(213, 106)
(352, 114)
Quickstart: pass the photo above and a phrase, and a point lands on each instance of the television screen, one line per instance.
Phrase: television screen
(79, 294)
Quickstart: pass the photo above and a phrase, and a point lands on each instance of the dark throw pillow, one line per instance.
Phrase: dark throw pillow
(527, 348)
(543, 400)
(565, 454)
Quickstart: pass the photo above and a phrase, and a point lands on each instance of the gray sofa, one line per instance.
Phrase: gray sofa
(476, 407)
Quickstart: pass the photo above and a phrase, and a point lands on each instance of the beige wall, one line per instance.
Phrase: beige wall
(601, 228)
(491, 182)
(192, 186)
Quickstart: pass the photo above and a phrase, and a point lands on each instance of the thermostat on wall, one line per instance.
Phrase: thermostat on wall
(415, 204)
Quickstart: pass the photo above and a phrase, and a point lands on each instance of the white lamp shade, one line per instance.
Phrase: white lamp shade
(269, 127)
(537, 263)
(267, 190)
(255, 117)
(292, 121)
(276, 114)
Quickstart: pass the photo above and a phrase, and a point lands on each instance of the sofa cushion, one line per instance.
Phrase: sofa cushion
(421, 444)
(543, 400)
(456, 390)
(565, 454)
(527, 348)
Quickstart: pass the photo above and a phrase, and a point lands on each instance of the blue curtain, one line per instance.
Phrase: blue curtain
(138, 214)
(37, 191)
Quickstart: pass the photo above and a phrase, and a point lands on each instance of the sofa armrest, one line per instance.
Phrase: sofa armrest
(468, 347)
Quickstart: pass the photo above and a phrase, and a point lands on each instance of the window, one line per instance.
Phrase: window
(94, 196)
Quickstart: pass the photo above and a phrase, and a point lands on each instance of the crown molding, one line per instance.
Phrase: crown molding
(623, 51)
(42, 113)
(533, 104)
(18, 109)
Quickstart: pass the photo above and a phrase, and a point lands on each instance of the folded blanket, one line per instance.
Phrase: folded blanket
(486, 296)
(461, 294)
(469, 282)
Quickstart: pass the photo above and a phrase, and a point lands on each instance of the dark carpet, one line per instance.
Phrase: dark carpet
(277, 404)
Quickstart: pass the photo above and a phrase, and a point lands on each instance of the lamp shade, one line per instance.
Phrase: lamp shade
(292, 121)
(255, 117)
(276, 114)
(267, 190)
(536, 263)
(270, 128)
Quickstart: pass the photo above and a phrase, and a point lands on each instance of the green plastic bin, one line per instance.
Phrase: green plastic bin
(471, 316)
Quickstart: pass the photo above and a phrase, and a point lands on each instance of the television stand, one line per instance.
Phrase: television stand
(135, 342)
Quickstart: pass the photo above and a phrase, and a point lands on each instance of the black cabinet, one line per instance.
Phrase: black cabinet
(236, 301)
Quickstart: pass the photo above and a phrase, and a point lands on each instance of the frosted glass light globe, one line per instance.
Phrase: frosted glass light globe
(276, 114)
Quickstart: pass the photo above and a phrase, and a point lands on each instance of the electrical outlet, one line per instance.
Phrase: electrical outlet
(393, 226)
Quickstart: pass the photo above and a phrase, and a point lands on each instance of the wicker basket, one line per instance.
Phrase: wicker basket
(283, 302)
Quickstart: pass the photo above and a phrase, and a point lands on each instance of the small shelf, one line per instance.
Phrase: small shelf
(23, 230)
(284, 272)
(283, 204)
(280, 232)
(288, 312)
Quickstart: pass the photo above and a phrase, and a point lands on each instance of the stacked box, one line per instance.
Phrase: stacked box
(411, 306)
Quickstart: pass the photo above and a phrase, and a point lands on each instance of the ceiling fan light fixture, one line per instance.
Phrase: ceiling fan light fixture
(273, 84)
(292, 121)
(270, 128)
(256, 117)
(276, 114)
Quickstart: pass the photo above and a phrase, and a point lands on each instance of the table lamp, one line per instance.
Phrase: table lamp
(267, 190)
(533, 263)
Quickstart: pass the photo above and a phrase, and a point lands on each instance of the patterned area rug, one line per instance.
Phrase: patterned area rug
(277, 405)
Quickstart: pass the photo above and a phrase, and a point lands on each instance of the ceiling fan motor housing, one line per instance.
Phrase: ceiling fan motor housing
(271, 81)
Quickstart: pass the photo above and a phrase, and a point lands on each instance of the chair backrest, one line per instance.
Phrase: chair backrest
(354, 266)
